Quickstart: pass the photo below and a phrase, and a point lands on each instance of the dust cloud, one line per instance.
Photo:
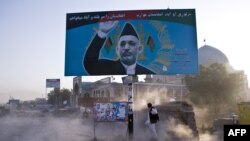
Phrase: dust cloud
(14, 128)
(77, 128)
(49, 128)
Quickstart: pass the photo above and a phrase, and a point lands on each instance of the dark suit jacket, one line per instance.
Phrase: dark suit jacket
(96, 66)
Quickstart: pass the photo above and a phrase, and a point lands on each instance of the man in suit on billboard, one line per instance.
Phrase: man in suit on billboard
(127, 49)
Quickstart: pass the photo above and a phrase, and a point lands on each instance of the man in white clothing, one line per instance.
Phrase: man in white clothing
(153, 118)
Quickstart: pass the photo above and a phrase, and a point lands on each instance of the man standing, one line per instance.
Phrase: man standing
(127, 49)
(153, 118)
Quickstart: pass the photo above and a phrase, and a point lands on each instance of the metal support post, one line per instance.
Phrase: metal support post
(130, 111)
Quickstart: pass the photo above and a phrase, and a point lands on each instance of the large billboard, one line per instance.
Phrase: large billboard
(131, 42)
(111, 111)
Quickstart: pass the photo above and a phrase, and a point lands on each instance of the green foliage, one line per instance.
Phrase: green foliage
(213, 85)
(216, 90)
(57, 96)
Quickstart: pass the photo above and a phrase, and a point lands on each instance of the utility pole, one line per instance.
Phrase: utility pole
(128, 81)
(130, 111)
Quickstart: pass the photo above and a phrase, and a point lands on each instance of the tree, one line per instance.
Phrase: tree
(214, 88)
(52, 95)
(56, 96)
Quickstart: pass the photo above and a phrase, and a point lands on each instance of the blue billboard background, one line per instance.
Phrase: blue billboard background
(169, 46)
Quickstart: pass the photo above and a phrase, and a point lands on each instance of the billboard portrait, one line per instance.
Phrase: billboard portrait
(131, 42)
(111, 111)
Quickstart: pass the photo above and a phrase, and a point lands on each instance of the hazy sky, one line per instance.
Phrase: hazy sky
(32, 36)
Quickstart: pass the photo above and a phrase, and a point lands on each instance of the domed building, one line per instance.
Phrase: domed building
(208, 55)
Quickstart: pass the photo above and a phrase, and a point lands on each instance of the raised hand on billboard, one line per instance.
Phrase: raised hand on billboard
(106, 27)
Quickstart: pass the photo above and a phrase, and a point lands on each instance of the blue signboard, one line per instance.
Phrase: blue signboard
(131, 42)
(52, 83)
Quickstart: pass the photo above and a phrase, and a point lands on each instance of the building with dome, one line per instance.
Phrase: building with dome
(208, 55)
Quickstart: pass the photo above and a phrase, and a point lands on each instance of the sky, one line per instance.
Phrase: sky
(32, 37)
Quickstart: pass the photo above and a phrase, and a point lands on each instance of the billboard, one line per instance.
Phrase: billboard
(111, 111)
(131, 42)
(53, 83)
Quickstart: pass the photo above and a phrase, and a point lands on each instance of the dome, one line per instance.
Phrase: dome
(209, 55)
